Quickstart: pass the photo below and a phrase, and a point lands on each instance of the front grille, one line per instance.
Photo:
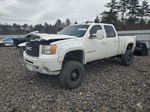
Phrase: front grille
(32, 48)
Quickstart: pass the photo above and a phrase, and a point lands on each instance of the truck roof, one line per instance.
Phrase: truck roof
(94, 24)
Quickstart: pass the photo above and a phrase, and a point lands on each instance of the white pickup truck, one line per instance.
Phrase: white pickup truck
(65, 54)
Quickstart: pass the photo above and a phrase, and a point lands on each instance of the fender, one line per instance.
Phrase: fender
(127, 43)
(69, 46)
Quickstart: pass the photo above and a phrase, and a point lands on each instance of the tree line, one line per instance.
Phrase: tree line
(15, 29)
(127, 14)
(124, 14)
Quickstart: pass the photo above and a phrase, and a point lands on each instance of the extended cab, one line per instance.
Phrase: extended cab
(66, 53)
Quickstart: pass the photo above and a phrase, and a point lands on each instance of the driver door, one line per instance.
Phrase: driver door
(95, 48)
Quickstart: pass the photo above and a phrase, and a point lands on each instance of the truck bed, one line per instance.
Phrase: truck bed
(123, 43)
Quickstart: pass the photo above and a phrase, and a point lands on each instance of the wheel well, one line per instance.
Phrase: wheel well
(130, 46)
(74, 55)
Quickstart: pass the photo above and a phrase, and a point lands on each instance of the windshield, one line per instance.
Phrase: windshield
(77, 30)
(32, 37)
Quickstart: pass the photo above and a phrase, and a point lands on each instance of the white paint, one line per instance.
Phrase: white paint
(93, 49)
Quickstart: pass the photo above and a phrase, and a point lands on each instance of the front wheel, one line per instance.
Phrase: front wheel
(72, 74)
(127, 58)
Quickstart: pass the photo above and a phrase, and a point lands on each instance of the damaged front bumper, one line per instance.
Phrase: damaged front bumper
(43, 64)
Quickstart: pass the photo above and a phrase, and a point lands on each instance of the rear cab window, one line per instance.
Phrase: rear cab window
(110, 32)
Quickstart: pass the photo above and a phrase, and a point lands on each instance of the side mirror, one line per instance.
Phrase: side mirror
(92, 36)
(100, 34)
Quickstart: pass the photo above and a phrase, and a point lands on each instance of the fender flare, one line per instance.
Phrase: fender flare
(62, 53)
(126, 45)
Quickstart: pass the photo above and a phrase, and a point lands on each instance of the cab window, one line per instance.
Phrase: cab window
(110, 32)
(94, 30)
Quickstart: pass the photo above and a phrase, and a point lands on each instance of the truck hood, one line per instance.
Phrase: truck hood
(54, 36)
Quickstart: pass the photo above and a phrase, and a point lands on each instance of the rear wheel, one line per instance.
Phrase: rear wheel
(72, 74)
(127, 58)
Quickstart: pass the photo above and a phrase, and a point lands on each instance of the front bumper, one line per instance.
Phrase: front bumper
(43, 64)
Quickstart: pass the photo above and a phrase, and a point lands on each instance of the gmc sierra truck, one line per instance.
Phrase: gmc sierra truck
(65, 54)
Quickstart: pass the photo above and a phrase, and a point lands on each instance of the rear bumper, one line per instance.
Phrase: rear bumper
(44, 65)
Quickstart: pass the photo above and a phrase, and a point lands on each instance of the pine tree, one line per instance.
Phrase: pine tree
(67, 22)
(46, 28)
(59, 25)
(97, 20)
(122, 7)
(75, 22)
(144, 11)
(111, 16)
(133, 12)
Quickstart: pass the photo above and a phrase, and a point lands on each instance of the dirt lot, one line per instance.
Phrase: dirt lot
(108, 87)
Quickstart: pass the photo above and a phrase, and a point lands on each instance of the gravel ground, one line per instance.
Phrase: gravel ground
(108, 87)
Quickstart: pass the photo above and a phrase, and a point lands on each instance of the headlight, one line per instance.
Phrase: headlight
(49, 49)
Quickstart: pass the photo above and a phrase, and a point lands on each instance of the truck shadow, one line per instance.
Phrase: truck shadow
(102, 65)
(47, 82)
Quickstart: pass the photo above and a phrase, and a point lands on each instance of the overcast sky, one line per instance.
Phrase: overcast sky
(41, 11)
